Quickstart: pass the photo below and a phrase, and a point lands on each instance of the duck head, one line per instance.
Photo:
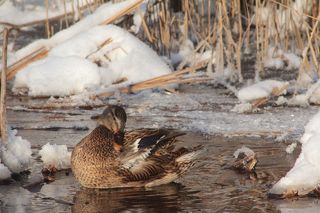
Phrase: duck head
(113, 118)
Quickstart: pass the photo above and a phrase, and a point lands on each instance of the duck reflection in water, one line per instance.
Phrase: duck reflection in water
(166, 198)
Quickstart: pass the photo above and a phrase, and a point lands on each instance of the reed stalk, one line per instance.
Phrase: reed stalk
(3, 95)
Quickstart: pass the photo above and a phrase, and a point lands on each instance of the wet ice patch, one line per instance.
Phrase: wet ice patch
(56, 156)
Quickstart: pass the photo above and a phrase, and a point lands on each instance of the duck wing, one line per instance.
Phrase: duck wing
(147, 153)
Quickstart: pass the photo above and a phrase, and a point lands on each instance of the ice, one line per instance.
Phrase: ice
(259, 90)
(305, 174)
(55, 155)
(16, 154)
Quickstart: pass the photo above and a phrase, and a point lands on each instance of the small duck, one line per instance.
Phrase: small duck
(109, 157)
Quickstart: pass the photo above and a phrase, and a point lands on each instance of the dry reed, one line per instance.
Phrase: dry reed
(3, 117)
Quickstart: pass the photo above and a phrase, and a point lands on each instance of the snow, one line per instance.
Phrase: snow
(305, 174)
(137, 17)
(4, 172)
(290, 148)
(247, 151)
(67, 70)
(57, 76)
(278, 59)
(10, 13)
(189, 55)
(104, 12)
(55, 155)
(16, 154)
(259, 90)
(242, 108)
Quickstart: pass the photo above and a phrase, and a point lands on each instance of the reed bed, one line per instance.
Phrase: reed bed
(235, 28)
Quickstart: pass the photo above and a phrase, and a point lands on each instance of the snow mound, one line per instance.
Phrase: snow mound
(71, 67)
(16, 155)
(4, 172)
(55, 155)
(305, 174)
(259, 90)
(104, 12)
(129, 58)
(57, 76)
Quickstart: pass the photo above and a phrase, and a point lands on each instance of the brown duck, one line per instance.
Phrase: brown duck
(111, 158)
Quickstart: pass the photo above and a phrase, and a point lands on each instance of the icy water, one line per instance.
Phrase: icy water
(209, 187)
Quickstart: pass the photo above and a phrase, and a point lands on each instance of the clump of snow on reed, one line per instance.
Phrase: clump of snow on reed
(16, 154)
(305, 174)
(259, 90)
(69, 68)
(55, 155)
(245, 150)
(311, 96)
(278, 59)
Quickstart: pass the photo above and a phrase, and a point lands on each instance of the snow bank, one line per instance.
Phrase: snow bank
(67, 70)
(57, 76)
(55, 155)
(305, 174)
(101, 14)
(16, 155)
(259, 90)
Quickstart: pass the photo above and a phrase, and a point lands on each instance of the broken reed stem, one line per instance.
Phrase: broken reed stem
(3, 117)
(160, 81)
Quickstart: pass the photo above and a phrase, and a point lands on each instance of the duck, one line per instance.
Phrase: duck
(110, 157)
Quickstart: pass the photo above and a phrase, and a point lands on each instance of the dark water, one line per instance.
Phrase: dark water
(209, 187)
